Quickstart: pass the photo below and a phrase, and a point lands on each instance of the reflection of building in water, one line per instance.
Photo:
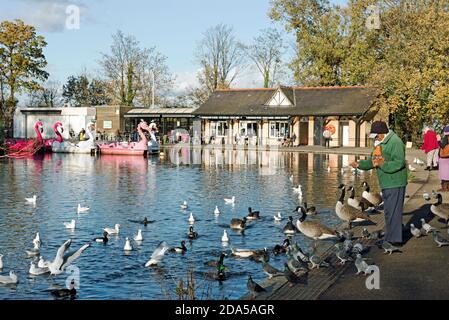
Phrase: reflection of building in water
(287, 115)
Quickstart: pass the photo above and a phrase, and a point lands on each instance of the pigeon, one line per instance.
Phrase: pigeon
(415, 231)
(440, 241)
(293, 278)
(427, 227)
(158, 254)
(361, 264)
(343, 256)
(358, 248)
(365, 233)
(375, 235)
(296, 265)
(389, 248)
(253, 287)
(317, 262)
(270, 270)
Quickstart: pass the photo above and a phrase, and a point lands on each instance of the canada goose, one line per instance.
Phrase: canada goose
(314, 229)
(181, 249)
(440, 209)
(359, 203)
(374, 198)
(289, 227)
(347, 213)
(239, 224)
(253, 215)
(310, 210)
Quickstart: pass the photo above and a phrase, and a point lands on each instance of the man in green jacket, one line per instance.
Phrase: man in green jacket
(388, 158)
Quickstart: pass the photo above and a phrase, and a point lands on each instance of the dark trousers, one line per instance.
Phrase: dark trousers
(393, 208)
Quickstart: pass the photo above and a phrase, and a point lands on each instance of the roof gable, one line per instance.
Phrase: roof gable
(279, 99)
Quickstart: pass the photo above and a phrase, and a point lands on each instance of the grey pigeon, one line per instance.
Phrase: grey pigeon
(347, 245)
(270, 270)
(296, 265)
(375, 235)
(293, 278)
(358, 248)
(253, 287)
(317, 262)
(427, 227)
(389, 248)
(361, 264)
(415, 231)
(299, 254)
(440, 241)
(343, 256)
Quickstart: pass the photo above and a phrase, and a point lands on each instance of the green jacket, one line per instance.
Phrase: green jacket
(393, 173)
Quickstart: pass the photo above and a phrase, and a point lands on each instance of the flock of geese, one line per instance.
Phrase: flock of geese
(298, 263)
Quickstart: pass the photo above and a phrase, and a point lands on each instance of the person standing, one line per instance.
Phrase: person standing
(431, 147)
(443, 165)
(388, 159)
(327, 137)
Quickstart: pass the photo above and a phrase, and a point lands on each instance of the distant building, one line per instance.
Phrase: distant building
(268, 116)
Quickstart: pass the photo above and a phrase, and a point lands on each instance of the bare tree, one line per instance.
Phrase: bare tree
(47, 95)
(266, 53)
(220, 56)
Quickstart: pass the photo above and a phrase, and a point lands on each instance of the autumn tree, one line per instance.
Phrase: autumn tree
(22, 64)
(266, 53)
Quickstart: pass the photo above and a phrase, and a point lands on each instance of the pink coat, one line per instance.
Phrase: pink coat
(430, 141)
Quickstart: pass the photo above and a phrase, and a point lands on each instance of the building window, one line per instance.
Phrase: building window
(107, 124)
(219, 128)
(278, 129)
(248, 128)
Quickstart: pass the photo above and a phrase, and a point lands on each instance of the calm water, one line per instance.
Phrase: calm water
(121, 188)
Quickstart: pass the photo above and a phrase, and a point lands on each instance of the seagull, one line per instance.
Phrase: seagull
(328, 169)
(11, 279)
(114, 230)
(82, 209)
(36, 270)
(42, 263)
(298, 189)
(426, 196)
(411, 168)
(278, 217)
(31, 200)
(1, 261)
(37, 239)
(254, 287)
(35, 251)
(64, 293)
(291, 178)
(216, 211)
(427, 227)
(389, 248)
(138, 236)
(230, 200)
(128, 246)
(158, 254)
(70, 225)
(361, 264)
(440, 241)
(415, 231)
(184, 205)
(225, 237)
(62, 259)
(191, 218)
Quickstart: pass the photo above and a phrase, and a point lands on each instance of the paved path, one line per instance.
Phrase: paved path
(419, 272)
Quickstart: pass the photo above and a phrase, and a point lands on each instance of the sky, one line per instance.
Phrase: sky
(174, 27)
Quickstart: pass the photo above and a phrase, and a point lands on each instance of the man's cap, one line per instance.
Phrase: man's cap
(378, 127)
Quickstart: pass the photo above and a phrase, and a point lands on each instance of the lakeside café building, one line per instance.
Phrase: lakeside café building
(265, 117)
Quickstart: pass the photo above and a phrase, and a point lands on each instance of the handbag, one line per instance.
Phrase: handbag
(444, 152)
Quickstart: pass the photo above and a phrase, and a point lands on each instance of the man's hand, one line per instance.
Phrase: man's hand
(354, 164)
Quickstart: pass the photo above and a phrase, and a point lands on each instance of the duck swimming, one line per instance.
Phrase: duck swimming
(289, 227)
(192, 234)
(253, 215)
(64, 293)
(281, 248)
(104, 239)
(238, 224)
(181, 249)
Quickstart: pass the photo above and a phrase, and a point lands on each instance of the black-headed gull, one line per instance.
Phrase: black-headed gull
(127, 246)
(70, 225)
(82, 209)
(158, 254)
(31, 200)
(225, 237)
(184, 205)
(11, 279)
(1, 261)
(62, 259)
(138, 236)
(216, 211)
(230, 200)
(191, 218)
(114, 230)
(36, 270)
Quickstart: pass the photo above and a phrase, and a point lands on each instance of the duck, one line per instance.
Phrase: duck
(216, 263)
(310, 211)
(31, 200)
(65, 293)
(113, 231)
(359, 203)
(11, 279)
(282, 248)
(70, 225)
(247, 253)
(261, 255)
(82, 209)
(224, 237)
(184, 205)
(36, 270)
(289, 227)
(314, 229)
(373, 197)
(238, 224)
(230, 200)
(104, 239)
(127, 246)
(216, 210)
(440, 209)
(181, 249)
(138, 236)
(347, 213)
(253, 215)
(158, 254)
(191, 218)
(277, 217)
(192, 234)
